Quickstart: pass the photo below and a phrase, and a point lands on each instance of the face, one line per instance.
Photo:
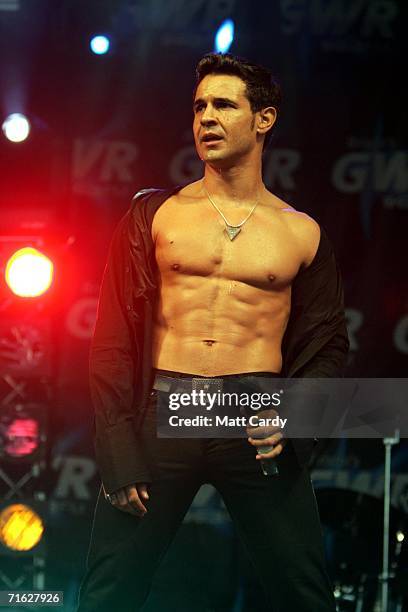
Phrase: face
(224, 125)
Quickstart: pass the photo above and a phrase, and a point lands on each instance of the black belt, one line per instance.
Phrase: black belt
(187, 384)
(168, 384)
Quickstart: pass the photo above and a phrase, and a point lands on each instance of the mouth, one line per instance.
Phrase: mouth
(211, 139)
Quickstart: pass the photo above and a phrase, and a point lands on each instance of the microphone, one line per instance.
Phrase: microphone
(269, 466)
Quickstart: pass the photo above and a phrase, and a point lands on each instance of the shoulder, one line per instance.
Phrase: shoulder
(304, 229)
(188, 193)
(153, 198)
(172, 199)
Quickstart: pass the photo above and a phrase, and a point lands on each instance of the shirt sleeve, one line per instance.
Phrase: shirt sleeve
(113, 362)
(316, 341)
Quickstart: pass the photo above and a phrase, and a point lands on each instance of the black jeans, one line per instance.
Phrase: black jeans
(275, 516)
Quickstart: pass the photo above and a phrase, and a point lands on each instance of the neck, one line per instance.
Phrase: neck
(237, 184)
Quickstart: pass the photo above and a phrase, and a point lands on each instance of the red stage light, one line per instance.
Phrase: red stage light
(21, 437)
(29, 273)
(22, 433)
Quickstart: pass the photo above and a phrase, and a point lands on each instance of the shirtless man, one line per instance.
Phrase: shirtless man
(227, 255)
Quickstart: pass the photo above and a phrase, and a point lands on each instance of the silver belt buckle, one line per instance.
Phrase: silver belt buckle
(207, 385)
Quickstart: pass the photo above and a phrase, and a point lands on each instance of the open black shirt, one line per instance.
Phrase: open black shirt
(314, 345)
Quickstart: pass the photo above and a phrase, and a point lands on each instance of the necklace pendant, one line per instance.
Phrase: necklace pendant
(232, 231)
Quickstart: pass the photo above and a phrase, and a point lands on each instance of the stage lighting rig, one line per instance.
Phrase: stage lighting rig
(28, 303)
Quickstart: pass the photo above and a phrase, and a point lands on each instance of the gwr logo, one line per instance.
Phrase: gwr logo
(338, 18)
(383, 172)
(105, 161)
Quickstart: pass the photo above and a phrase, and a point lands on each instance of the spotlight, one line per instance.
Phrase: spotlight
(400, 536)
(224, 36)
(16, 127)
(21, 528)
(22, 433)
(29, 272)
(100, 44)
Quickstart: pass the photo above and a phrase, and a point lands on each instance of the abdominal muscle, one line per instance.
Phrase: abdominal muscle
(217, 326)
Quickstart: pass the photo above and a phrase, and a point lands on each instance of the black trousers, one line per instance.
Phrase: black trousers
(276, 518)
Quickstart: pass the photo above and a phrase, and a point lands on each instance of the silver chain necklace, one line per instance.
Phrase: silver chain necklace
(231, 230)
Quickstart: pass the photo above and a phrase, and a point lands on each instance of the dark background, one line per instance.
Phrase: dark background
(104, 127)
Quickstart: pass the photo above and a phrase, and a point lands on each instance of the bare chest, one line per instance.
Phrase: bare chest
(192, 241)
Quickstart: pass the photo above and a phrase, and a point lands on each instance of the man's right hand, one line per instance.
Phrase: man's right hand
(129, 499)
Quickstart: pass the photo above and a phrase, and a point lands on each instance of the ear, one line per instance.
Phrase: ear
(265, 119)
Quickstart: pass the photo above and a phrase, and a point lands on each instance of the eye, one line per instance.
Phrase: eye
(198, 108)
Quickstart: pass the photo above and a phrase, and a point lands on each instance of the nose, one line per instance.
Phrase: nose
(208, 118)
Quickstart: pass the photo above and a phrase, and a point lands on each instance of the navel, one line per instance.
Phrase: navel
(209, 342)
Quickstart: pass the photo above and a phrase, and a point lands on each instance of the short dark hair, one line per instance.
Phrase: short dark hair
(262, 89)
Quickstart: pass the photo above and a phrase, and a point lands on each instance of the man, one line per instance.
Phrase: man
(219, 279)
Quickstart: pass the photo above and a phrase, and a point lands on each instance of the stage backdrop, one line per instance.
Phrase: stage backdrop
(104, 127)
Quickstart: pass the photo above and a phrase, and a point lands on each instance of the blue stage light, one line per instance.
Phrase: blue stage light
(224, 36)
(100, 44)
